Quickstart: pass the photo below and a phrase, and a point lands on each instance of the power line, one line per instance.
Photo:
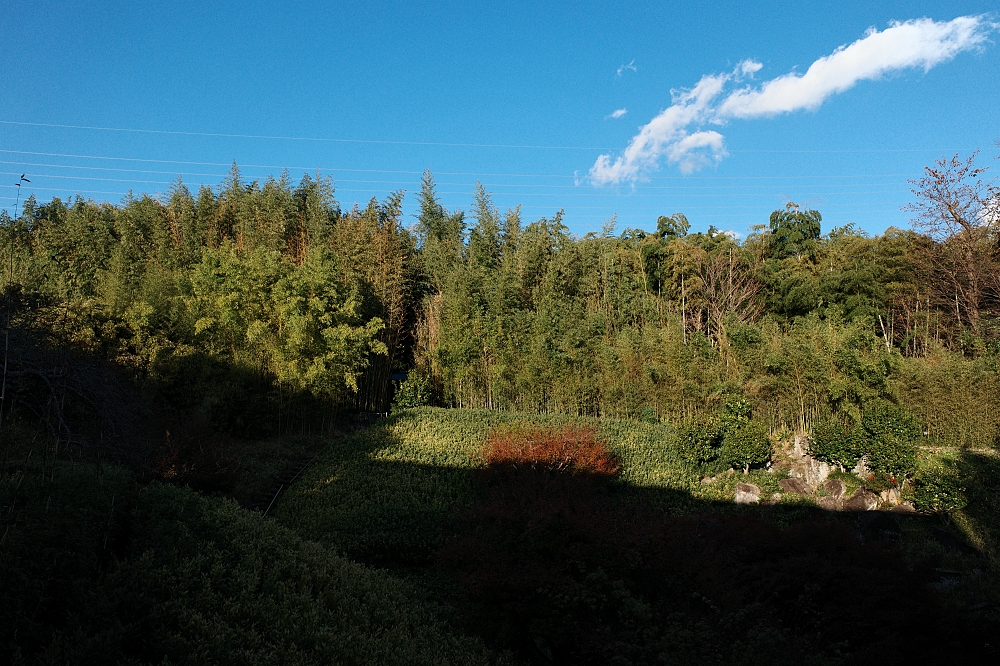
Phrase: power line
(301, 138)
(441, 173)
(568, 208)
(442, 143)
(487, 184)
(469, 195)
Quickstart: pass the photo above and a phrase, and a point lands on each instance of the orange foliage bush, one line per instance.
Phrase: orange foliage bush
(569, 448)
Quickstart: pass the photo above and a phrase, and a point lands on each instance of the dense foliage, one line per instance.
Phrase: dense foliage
(886, 441)
(230, 304)
(255, 298)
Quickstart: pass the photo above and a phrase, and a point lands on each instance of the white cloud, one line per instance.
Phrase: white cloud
(675, 133)
(661, 134)
(616, 114)
(749, 67)
(920, 43)
(624, 68)
(697, 150)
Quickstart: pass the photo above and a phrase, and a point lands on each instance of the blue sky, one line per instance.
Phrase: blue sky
(519, 97)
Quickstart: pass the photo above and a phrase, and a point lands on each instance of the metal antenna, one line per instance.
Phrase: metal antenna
(10, 281)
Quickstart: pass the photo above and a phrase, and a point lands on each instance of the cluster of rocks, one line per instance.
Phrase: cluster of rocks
(808, 475)
(835, 498)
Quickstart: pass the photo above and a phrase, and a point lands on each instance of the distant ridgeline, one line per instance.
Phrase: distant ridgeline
(258, 302)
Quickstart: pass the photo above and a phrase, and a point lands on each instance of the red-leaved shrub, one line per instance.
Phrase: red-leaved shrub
(569, 448)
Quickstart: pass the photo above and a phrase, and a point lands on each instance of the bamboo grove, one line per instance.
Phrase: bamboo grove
(257, 302)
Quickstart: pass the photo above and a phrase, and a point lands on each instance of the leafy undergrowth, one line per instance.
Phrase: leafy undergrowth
(574, 540)
(198, 456)
(98, 569)
(213, 583)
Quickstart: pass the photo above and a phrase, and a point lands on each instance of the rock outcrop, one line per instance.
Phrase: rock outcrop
(829, 503)
(835, 487)
(861, 500)
(804, 466)
(797, 486)
(747, 493)
(861, 469)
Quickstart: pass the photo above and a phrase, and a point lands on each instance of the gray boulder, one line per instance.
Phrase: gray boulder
(861, 469)
(797, 486)
(890, 497)
(835, 487)
(747, 493)
(829, 503)
(861, 500)
(804, 466)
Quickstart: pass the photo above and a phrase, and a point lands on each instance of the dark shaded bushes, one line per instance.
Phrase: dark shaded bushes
(568, 567)
(96, 570)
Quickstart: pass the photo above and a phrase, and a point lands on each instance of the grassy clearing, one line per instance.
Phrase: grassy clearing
(386, 495)
(605, 546)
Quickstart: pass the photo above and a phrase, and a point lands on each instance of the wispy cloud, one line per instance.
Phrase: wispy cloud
(625, 68)
(676, 135)
(667, 133)
(617, 113)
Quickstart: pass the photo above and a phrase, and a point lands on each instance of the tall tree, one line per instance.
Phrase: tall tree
(441, 234)
(794, 232)
(958, 208)
(484, 237)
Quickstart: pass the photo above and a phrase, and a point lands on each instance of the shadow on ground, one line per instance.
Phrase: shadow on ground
(574, 568)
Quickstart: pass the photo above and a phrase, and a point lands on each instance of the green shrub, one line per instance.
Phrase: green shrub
(746, 443)
(938, 487)
(737, 409)
(415, 391)
(887, 420)
(733, 439)
(699, 442)
(886, 438)
(890, 441)
(835, 442)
